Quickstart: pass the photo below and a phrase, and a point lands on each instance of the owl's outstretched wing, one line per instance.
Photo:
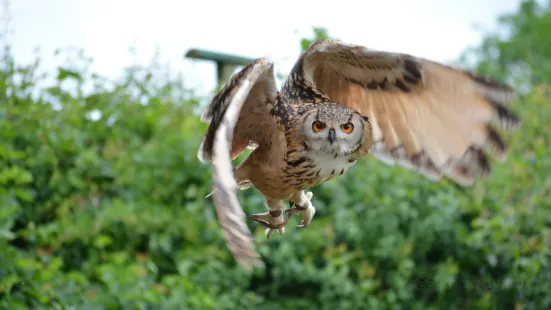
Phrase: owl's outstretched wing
(251, 121)
(239, 116)
(427, 117)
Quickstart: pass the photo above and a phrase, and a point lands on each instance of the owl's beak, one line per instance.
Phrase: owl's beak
(331, 136)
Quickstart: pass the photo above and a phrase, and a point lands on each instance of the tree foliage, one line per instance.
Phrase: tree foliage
(519, 48)
(102, 207)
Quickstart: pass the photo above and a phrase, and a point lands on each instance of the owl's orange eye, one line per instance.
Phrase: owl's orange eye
(347, 128)
(318, 126)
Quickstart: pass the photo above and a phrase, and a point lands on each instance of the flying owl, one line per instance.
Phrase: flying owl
(340, 102)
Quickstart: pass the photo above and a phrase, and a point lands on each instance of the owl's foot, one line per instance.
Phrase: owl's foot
(306, 211)
(274, 220)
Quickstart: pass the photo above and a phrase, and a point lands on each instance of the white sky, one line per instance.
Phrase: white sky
(434, 29)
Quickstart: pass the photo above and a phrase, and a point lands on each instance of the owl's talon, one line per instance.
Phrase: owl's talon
(306, 212)
(270, 231)
(277, 223)
(273, 223)
(307, 216)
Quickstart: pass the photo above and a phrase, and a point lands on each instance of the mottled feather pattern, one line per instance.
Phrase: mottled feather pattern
(254, 125)
(297, 97)
(217, 108)
(302, 169)
(224, 113)
(428, 117)
(413, 104)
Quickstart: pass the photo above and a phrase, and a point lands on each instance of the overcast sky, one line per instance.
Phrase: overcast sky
(434, 29)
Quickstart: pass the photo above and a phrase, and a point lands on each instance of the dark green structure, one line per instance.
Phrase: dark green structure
(225, 63)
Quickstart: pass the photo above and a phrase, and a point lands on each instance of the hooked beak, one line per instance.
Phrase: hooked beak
(331, 136)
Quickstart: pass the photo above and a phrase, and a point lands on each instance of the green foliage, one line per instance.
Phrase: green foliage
(521, 44)
(101, 207)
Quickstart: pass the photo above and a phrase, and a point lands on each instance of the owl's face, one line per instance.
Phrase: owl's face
(335, 129)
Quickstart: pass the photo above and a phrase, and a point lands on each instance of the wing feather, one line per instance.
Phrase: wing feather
(254, 125)
(428, 117)
(239, 117)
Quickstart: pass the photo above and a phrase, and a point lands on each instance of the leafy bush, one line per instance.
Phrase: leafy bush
(101, 207)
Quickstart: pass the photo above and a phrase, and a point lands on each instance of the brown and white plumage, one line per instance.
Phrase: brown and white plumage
(237, 114)
(422, 115)
(425, 115)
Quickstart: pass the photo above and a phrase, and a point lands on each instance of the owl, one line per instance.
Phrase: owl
(339, 103)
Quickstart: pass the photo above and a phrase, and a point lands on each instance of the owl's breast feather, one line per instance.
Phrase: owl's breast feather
(330, 166)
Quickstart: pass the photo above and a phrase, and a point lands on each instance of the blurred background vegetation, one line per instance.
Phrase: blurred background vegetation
(102, 203)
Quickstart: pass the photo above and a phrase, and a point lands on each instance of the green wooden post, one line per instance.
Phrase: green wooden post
(225, 63)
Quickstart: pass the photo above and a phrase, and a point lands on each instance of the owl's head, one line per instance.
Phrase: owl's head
(334, 128)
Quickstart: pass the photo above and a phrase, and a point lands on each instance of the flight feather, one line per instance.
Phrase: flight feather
(428, 117)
